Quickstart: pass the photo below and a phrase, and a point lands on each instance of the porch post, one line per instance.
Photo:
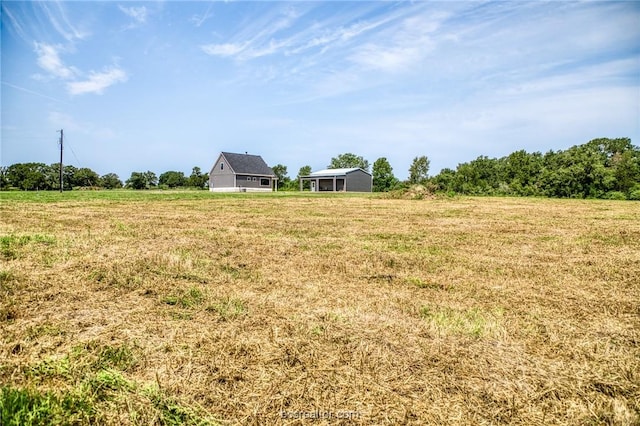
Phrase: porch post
(334, 184)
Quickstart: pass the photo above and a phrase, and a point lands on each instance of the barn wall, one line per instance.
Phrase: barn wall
(359, 181)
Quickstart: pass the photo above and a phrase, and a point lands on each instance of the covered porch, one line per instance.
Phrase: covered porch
(324, 184)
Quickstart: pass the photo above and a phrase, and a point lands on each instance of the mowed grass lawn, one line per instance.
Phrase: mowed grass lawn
(194, 308)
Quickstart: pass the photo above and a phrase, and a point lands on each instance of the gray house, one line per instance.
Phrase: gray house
(333, 180)
(241, 173)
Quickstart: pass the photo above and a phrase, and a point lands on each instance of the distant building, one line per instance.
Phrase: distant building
(241, 173)
(334, 180)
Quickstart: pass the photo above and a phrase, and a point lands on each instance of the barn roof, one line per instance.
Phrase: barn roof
(247, 164)
(335, 172)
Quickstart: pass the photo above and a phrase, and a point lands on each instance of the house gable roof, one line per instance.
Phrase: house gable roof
(247, 164)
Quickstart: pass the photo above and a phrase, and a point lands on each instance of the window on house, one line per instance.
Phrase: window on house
(249, 178)
(255, 179)
(221, 166)
(264, 182)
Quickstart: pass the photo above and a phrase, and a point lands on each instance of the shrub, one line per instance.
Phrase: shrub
(615, 195)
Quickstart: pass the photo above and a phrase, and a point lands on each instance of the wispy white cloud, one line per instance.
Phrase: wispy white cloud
(49, 60)
(77, 82)
(97, 81)
(325, 38)
(198, 20)
(57, 16)
(363, 38)
(402, 47)
(575, 77)
(259, 39)
(139, 14)
(16, 23)
(32, 92)
(224, 50)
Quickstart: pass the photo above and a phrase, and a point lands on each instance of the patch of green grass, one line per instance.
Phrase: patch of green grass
(420, 283)
(5, 278)
(317, 330)
(469, 322)
(228, 308)
(435, 250)
(187, 299)
(46, 329)
(92, 382)
(10, 245)
(171, 413)
(234, 272)
(51, 368)
(181, 316)
(25, 407)
(105, 383)
(124, 230)
(121, 357)
(94, 356)
(124, 277)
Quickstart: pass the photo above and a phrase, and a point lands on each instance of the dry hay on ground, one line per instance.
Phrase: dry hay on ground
(291, 310)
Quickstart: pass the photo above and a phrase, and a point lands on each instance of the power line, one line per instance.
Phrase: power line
(61, 145)
(73, 152)
(78, 162)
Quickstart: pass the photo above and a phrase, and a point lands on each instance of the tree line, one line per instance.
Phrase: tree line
(43, 177)
(600, 168)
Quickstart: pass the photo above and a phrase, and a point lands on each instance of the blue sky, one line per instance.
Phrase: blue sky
(163, 86)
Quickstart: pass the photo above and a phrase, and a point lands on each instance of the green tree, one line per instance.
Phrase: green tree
(479, 176)
(419, 170)
(578, 172)
(110, 181)
(29, 176)
(142, 180)
(85, 177)
(280, 170)
(152, 179)
(445, 180)
(626, 170)
(383, 178)
(4, 181)
(347, 161)
(172, 179)
(68, 176)
(600, 168)
(197, 179)
(137, 180)
(522, 171)
(304, 171)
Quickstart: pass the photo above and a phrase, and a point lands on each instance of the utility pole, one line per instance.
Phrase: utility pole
(61, 142)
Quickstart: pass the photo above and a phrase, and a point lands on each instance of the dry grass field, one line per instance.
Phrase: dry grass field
(194, 308)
